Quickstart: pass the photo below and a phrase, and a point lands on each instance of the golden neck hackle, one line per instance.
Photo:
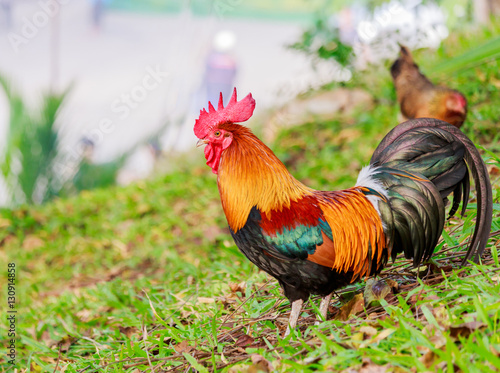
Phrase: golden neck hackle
(251, 175)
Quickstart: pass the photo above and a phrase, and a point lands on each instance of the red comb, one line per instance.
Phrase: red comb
(235, 111)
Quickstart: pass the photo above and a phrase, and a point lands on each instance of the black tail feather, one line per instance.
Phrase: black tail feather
(443, 154)
(413, 212)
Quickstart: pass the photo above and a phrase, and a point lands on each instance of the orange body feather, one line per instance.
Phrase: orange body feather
(250, 175)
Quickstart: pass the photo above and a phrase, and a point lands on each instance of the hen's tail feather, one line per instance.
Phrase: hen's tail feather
(406, 143)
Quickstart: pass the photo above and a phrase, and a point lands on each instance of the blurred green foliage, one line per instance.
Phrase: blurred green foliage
(297, 10)
(486, 52)
(31, 147)
(322, 40)
(470, 62)
(91, 176)
(29, 160)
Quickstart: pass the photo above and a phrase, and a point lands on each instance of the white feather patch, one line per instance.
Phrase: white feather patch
(365, 179)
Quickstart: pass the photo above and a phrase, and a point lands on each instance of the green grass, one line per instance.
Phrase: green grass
(147, 276)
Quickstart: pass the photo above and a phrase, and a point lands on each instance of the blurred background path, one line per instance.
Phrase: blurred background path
(137, 72)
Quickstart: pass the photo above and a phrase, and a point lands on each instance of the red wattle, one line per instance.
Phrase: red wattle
(212, 155)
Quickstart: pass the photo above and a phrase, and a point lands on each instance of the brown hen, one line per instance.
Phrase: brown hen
(418, 97)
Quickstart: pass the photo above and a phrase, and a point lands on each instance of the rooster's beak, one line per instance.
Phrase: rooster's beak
(201, 142)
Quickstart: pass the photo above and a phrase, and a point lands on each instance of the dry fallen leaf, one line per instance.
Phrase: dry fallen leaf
(64, 344)
(368, 331)
(238, 368)
(230, 299)
(205, 300)
(494, 351)
(34, 367)
(259, 364)
(435, 336)
(4, 223)
(357, 337)
(382, 335)
(441, 315)
(419, 297)
(346, 134)
(428, 358)
(377, 290)
(10, 239)
(32, 242)
(465, 329)
(84, 315)
(354, 306)
(45, 359)
(183, 347)
(372, 368)
(238, 287)
(128, 331)
(369, 366)
(244, 340)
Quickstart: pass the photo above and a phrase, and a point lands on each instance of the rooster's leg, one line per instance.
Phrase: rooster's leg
(323, 308)
(294, 315)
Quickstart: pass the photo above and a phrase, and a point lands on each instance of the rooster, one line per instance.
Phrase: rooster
(314, 242)
(419, 98)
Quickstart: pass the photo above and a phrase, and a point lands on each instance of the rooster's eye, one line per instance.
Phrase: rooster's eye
(217, 133)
